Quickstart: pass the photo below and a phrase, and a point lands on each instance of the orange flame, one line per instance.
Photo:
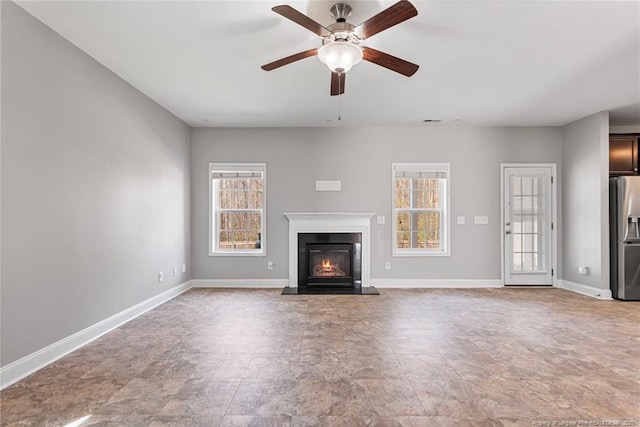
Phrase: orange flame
(326, 263)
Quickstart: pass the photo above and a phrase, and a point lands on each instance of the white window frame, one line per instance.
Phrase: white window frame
(213, 226)
(445, 222)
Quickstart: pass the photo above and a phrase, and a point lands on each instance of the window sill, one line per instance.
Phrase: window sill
(234, 254)
(419, 254)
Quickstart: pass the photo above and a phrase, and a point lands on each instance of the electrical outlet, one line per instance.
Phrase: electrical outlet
(184, 268)
(387, 265)
(461, 220)
(583, 270)
(270, 265)
(160, 276)
(175, 271)
(381, 220)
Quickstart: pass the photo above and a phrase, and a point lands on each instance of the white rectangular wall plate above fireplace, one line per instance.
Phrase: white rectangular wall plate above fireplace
(328, 185)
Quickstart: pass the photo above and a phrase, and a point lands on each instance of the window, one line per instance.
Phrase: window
(237, 209)
(420, 209)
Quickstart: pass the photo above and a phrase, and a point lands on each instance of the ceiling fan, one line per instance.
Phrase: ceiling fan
(341, 48)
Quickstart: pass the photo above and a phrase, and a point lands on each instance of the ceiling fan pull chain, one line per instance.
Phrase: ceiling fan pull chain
(339, 109)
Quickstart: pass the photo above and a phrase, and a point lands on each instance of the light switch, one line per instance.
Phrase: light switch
(481, 220)
(461, 220)
(380, 220)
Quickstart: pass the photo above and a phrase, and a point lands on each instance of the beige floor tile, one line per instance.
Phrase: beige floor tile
(409, 357)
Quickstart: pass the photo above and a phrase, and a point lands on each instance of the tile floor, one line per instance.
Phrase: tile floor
(481, 357)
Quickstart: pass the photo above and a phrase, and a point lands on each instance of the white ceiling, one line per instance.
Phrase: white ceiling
(481, 62)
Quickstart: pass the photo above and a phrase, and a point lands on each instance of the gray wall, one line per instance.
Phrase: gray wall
(624, 129)
(95, 190)
(585, 201)
(362, 158)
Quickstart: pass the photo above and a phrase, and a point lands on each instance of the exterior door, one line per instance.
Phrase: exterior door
(528, 227)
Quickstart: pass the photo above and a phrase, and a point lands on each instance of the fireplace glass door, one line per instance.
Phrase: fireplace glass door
(329, 261)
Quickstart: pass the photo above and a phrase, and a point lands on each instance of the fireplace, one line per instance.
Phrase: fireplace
(342, 240)
(329, 261)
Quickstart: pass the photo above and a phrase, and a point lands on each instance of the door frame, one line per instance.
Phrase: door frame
(554, 216)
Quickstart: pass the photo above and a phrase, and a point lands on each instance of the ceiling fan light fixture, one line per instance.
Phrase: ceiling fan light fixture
(340, 56)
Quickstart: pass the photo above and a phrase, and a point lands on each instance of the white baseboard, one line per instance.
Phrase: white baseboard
(378, 283)
(239, 283)
(29, 364)
(436, 283)
(590, 291)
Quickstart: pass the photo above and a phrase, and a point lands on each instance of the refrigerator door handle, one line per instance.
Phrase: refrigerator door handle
(634, 220)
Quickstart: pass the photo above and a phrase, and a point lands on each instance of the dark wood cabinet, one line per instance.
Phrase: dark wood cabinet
(623, 155)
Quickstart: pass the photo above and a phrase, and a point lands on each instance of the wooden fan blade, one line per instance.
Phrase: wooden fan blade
(337, 83)
(289, 59)
(389, 61)
(389, 17)
(301, 19)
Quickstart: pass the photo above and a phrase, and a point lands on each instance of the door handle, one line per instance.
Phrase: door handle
(508, 232)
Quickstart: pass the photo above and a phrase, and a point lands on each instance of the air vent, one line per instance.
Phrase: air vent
(431, 121)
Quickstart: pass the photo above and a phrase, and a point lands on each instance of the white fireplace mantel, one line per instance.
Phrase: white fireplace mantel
(329, 222)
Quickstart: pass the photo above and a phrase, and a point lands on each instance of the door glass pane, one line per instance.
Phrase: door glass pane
(527, 186)
(517, 224)
(517, 203)
(527, 224)
(517, 261)
(517, 186)
(517, 242)
(527, 243)
(527, 219)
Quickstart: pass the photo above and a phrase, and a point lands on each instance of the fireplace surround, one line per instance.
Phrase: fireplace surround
(328, 277)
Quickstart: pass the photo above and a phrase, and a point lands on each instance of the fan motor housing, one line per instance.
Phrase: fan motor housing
(342, 31)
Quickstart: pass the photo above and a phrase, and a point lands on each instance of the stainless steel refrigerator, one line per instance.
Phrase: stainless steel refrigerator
(624, 220)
